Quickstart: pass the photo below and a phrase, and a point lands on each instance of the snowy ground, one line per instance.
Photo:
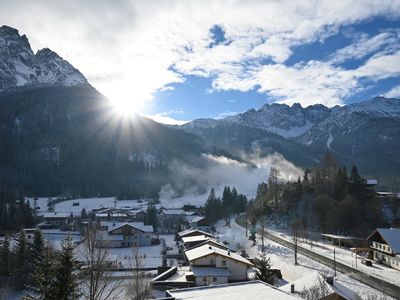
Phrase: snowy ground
(283, 258)
(87, 203)
(343, 255)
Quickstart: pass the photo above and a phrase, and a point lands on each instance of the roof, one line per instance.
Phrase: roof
(372, 181)
(196, 238)
(211, 242)
(111, 226)
(307, 282)
(391, 236)
(194, 218)
(205, 250)
(255, 290)
(56, 215)
(341, 237)
(190, 231)
(211, 272)
(174, 212)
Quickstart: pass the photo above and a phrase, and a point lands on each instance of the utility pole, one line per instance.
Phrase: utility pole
(262, 234)
(246, 223)
(334, 261)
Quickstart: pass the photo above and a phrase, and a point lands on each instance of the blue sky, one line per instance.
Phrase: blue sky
(180, 60)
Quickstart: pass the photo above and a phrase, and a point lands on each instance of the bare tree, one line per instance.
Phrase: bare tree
(138, 288)
(97, 282)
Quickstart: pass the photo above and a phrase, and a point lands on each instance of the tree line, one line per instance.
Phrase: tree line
(15, 212)
(230, 203)
(327, 198)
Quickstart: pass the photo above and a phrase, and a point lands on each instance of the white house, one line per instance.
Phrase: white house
(385, 244)
(57, 219)
(125, 234)
(214, 257)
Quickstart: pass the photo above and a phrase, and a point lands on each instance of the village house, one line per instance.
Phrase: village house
(125, 234)
(215, 258)
(385, 244)
(56, 220)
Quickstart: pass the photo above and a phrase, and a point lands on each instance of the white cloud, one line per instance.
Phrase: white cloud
(165, 118)
(365, 45)
(393, 93)
(127, 48)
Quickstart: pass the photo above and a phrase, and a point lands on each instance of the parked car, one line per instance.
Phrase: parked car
(367, 262)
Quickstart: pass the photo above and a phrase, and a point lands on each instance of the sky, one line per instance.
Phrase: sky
(176, 61)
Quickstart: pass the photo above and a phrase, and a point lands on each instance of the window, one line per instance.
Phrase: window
(204, 279)
(214, 279)
(211, 261)
(223, 263)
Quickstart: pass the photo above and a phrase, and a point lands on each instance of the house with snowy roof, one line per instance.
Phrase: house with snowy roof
(385, 244)
(56, 220)
(222, 265)
(125, 234)
(194, 232)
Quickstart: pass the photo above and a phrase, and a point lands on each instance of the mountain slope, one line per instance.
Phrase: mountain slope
(60, 139)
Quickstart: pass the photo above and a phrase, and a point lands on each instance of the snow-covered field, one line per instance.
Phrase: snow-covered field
(283, 258)
(88, 204)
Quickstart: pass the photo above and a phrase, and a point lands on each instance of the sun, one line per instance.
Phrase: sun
(125, 106)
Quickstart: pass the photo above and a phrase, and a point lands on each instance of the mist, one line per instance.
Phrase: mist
(191, 185)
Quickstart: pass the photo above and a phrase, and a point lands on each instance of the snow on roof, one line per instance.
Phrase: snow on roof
(194, 219)
(196, 238)
(211, 242)
(56, 215)
(372, 181)
(255, 290)
(173, 211)
(190, 231)
(307, 282)
(205, 250)
(392, 237)
(209, 271)
(111, 226)
(341, 237)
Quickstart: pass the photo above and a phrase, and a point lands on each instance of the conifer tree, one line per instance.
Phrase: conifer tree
(65, 284)
(5, 258)
(22, 270)
(44, 273)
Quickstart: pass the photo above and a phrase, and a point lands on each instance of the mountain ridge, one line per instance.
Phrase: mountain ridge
(20, 66)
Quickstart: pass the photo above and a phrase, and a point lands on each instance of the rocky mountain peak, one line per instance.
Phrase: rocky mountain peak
(19, 66)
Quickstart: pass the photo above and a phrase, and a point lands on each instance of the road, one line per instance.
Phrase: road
(377, 283)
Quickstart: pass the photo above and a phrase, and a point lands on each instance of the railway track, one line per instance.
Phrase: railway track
(379, 284)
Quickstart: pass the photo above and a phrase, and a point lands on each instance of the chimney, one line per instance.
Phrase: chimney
(229, 252)
(292, 288)
(209, 247)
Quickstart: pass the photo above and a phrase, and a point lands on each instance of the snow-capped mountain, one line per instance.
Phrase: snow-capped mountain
(284, 120)
(365, 133)
(19, 66)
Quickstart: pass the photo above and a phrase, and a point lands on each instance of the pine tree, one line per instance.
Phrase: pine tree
(263, 270)
(65, 284)
(5, 258)
(38, 245)
(213, 207)
(22, 270)
(44, 273)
